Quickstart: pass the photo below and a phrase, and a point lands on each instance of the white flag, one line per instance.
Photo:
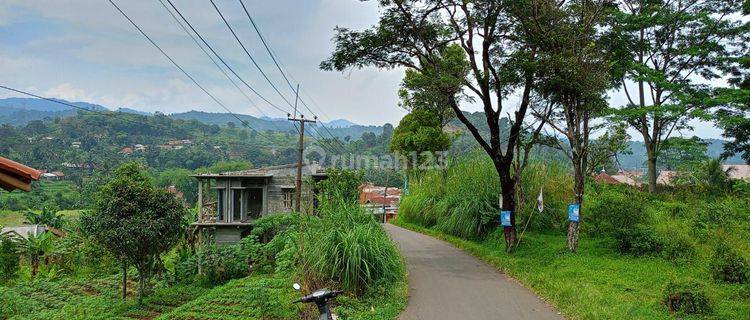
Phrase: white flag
(540, 201)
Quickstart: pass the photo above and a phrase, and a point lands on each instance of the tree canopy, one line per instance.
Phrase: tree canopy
(134, 221)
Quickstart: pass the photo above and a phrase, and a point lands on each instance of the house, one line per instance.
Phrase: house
(54, 175)
(734, 172)
(380, 200)
(24, 231)
(666, 177)
(75, 145)
(620, 178)
(31, 230)
(603, 177)
(127, 150)
(626, 179)
(14, 175)
(737, 171)
(229, 202)
(140, 147)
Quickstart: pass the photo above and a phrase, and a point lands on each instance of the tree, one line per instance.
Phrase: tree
(734, 114)
(418, 132)
(674, 44)
(48, 216)
(605, 149)
(683, 154)
(135, 222)
(433, 87)
(417, 35)
(37, 248)
(341, 184)
(574, 74)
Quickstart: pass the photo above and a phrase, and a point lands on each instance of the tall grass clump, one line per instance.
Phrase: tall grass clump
(553, 178)
(346, 246)
(469, 204)
(462, 200)
(425, 191)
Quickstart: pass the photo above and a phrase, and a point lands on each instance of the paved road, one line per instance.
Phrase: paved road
(445, 283)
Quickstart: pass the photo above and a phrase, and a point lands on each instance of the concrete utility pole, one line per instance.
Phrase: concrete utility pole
(301, 150)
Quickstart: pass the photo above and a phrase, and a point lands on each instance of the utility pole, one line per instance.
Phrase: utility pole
(385, 196)
(301, 150)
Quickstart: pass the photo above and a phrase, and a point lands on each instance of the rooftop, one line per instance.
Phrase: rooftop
(14, 175)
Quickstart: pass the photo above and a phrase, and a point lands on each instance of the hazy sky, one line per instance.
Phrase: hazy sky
(85, 50)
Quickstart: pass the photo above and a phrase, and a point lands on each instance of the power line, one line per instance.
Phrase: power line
(248, 53)
(183, 70)
(222, 59)
(276, 62)
(176, 19)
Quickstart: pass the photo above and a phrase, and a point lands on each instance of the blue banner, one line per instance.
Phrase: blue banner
(574, 211)
(505, 218)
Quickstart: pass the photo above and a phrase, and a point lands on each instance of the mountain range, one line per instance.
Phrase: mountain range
(20, 111)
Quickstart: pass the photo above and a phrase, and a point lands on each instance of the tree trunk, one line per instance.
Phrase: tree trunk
(124, 281)
(574, 226)
(141, 286)
(651, 167)
(34, 267)
(508, 194)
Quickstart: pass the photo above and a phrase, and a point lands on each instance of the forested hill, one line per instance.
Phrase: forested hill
(21, 111)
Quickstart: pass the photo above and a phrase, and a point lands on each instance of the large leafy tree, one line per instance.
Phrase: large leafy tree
(575, 72)
(734, 114)
(135, 222)
(416, 35)
(677, 48)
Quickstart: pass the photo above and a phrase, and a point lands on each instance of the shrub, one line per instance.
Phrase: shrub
(610, 209)
(270, 237)
(727, 265)
(219, 264)
(678, 247)
(686, 297)
(9, 259)
(638, 240)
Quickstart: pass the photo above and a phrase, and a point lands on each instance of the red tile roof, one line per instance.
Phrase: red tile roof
(605, 178)
(14, 175)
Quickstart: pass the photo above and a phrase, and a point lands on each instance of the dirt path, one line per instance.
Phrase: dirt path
(445, 283)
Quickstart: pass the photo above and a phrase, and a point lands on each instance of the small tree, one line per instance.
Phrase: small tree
(37, 248)
(135, 222)
(48, 216)
(418, 132)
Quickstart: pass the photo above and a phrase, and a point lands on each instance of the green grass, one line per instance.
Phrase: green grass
(88, 299)
(254, 297)
(596, 282)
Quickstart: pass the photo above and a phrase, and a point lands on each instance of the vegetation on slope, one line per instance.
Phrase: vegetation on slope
(639, 251)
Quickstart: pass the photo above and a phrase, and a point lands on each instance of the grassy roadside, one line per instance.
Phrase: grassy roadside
(595, 282)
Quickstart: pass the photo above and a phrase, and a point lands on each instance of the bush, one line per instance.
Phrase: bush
(727, 265)
(678, 247)
(219, 264)
(638, 240)
(686, 297)
(9, 259)
(611, 209)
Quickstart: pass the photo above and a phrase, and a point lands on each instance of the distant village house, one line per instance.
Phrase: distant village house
(379, 200)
